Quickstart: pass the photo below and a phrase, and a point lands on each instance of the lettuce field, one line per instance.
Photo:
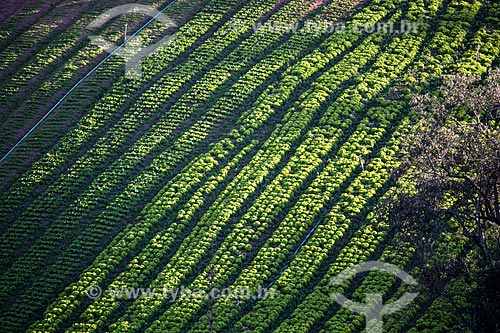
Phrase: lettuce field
(219, 162)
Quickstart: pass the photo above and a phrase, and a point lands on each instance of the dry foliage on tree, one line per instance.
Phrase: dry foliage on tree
(454, 155)
(452, 173)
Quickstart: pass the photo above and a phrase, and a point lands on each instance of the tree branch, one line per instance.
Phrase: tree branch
(461, 221)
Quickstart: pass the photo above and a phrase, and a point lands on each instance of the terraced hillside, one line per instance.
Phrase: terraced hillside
(249, 154)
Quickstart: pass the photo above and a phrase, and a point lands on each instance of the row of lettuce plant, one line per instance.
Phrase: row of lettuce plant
(318, 93)
(30, 40)
(349, 207)
(122, 168)
(152, 215)
(65, 42)
(298, 221)
(85, 170)
(472, 60)
(302, 150)
(56, 79)
(259, 115)
(290, 283)
(349, 161)
(97, 118)
(24, 18)
(298, 319)
(244, 184)
(347, 321)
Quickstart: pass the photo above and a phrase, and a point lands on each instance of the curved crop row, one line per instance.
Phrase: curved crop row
(66, 41)
(340, 320)
(297, 221)
(187, 214)
(162, 159)
(345, 320)
(77, 137)
(59, 228)
(228, 203)
(58, 18)
(291, 282)
(350, 161)
(153, 214)
(57, 232)
(122, 168)
(27, 14)
(110, 104)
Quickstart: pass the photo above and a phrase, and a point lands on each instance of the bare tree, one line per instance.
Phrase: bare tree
(453, 157)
